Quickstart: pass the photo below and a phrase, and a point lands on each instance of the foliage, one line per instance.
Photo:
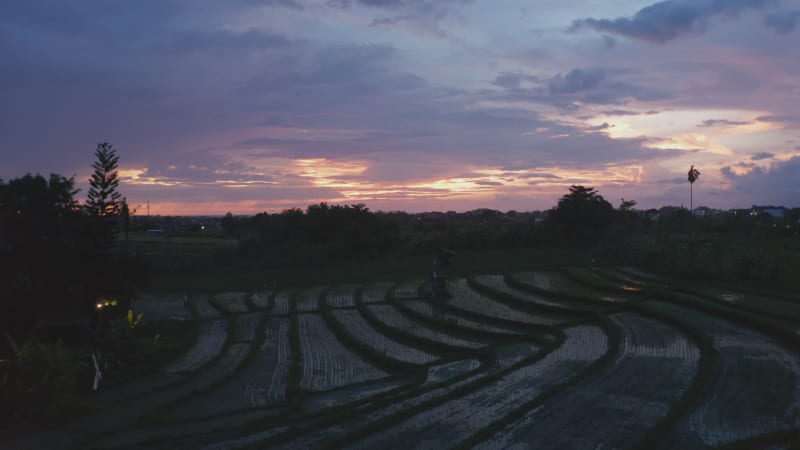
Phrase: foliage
(42, 249)
(40, 380)
(103, 199)
(134, 321)
(54, 257)
(104, 203)
(693, 174)
(582, 215)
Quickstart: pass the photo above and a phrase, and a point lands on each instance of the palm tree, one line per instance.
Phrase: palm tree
(694, 174)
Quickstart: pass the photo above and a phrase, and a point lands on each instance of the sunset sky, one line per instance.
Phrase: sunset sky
(416, 105)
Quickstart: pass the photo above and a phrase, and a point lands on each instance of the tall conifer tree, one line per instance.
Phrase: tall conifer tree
(103, 199)
(104, 202)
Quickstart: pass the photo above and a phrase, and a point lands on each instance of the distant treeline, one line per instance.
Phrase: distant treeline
(324, 233)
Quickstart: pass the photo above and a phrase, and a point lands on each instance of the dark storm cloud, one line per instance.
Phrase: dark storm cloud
(665, 21)
(761, 156)
(721, 123)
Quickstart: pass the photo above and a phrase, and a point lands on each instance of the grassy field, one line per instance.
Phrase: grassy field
(388, 269)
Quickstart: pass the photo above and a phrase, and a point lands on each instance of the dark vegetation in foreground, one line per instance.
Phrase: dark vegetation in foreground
(66, 263)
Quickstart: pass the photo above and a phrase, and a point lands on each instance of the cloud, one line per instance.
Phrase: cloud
(625, 112)
(232, 93)
(668, 20)
(394, 4)
(221, 40)
(576, 80)
(543, 176)
(779, 184)
(621, 112)
(609, 42)
(596, 86)
(422, 15)
(512, 80)
(721, 123)
(603, 126)
(567, 91)
(761, 156)
(783, 22)
(777, 118)
(291, 4)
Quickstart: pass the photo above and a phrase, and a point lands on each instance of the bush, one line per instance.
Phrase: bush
(42, 381)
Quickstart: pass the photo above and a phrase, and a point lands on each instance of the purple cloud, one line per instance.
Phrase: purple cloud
(668, 20)
(761, 156)
(777, 118)
(577, 80)
(721, 123)
(780, 184)
(783, 22)
(603, 126)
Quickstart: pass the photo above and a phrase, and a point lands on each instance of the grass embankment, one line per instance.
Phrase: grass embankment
(249, 277)
(755, 259)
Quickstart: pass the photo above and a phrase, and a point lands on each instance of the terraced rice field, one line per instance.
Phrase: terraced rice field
(568, 359)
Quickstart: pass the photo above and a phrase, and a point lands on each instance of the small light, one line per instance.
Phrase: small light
(99, 305)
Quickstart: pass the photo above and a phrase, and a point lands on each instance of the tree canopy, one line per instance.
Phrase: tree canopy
(582, 214)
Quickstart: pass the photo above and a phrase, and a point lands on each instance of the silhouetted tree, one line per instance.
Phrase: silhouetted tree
(228, 224)
(582, 214)
(103, 201)
(41, 249)
(694, 174)
(125, 212)
(627, 205)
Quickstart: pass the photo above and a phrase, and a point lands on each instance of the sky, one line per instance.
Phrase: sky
(418, 105)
